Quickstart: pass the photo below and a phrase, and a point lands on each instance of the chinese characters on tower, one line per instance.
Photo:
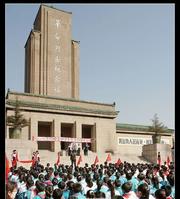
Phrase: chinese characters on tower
(57, 59)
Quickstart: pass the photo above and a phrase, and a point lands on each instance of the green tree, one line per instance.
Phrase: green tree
(158, 128)
(16, 121)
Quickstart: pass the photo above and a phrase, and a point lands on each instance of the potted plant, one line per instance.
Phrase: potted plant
(16, 121)
(158, 128)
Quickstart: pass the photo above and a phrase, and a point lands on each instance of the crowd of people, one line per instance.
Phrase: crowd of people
(124, 181)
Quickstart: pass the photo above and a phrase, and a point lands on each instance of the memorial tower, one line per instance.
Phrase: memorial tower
(51, 56)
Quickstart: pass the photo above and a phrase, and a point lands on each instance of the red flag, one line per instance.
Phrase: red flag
(108, 158)
(96, 160)
(79, 160)
(168, 161)
(7, 168)
(26, 161)
(118, 162)
(58, 159)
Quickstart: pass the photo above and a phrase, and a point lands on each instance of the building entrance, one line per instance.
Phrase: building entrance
(45, 130)
(67, 130)
(89, 131)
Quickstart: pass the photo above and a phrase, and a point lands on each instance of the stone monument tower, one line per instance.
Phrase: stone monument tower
(51, 56)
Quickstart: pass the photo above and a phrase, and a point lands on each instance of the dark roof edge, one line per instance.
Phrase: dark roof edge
(61, 107)
(66, 99)
(133, 126)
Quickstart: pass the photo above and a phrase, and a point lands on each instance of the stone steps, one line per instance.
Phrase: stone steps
(51, 157)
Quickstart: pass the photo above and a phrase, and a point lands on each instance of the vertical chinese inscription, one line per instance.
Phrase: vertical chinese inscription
(57, 59)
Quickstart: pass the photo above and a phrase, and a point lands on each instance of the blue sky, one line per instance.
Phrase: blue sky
(127, 55)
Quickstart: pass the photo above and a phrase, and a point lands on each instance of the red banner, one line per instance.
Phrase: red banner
(25, 161)
(63, 139)
(22, 161)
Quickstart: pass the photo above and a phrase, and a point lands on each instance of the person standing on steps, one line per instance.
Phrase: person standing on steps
(14, 159)
(86, 149)
(73, 158)
(69, 149)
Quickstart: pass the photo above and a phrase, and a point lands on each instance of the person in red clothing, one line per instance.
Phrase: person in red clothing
(14, 159)
(33, 159)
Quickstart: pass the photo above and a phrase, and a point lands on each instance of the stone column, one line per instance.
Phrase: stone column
(52, 144)
(29, 130)
(75, 69)
(78, 128)
(93, 138)
(34, 130)
(74, 130)
(56, 133)
(7, 132)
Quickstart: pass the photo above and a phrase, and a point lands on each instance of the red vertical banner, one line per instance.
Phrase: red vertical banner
(168, 161)
(58, 159)
(79, 160)
(159, 162)
(33, 162)
(96, 160)
(118, 161)
(7, 169)
(108, 159)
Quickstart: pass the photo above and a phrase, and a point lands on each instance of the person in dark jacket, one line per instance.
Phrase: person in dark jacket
(73, 158)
